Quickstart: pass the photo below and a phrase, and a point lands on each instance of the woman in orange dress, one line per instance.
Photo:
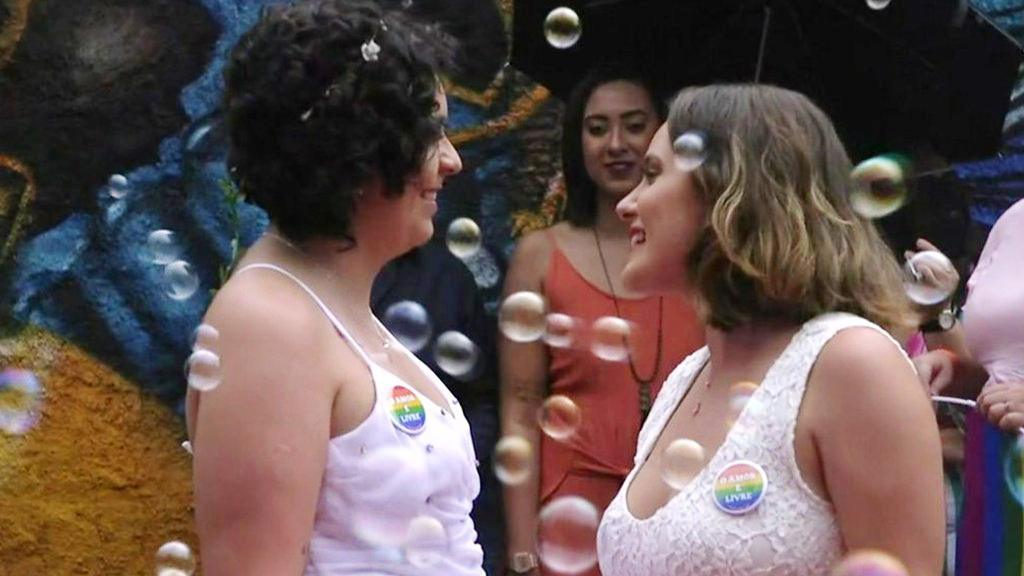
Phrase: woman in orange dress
(609, 121)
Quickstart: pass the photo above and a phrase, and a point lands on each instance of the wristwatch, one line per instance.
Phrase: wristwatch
(523, 562)
(943, 322)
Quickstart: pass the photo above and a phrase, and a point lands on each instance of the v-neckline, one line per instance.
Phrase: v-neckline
(698, 478)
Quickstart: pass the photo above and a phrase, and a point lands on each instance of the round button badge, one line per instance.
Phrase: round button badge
(407, 413)
(740, 487)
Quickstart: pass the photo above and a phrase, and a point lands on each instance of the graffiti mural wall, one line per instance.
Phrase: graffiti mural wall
(115, 228)
(116, 225)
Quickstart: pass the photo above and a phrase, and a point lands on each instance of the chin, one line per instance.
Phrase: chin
(645, 281)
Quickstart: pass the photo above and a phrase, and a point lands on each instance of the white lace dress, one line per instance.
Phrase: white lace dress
(791, 532)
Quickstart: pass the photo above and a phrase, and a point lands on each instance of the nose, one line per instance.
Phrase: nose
(626, 208)
(450, 162)
(617, 142)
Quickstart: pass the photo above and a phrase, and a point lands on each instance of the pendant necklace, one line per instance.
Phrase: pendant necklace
(643, 384)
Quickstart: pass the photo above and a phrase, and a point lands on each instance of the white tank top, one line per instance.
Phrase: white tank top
(397, 490)
(792, 531)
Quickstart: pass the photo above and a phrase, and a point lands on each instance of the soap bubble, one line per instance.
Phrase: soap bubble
(559, 330)
(455, 353)
(929, 277)
(1013, 468)
(610, 337)
(174, 558)
(203, 370)
(559, 417)
(567, 534)
(21, 400)
(162, 247)
(513, 460)
(426, 542)
(562, 28)
(689, 150)
(879, 186)
(182, 282)
(521, 317)
(205, 337)
(682, 460)
(463, 238)
(869, 563)
(117, 186)
(409, 322)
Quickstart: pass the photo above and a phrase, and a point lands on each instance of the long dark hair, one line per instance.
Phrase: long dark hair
(581, 201)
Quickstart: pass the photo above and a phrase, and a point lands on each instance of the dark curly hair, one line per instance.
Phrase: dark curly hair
(310, 120)
(581, 192)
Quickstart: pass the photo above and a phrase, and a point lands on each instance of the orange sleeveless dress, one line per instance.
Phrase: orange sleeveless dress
(594, 462)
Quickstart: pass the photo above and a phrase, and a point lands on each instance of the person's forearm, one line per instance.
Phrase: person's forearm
(522, 500)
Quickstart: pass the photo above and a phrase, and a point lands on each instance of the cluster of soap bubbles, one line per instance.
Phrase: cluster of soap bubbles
(879, 187)
(523, 317)
(175, 558)
(454, 352)
(203, 369)
(180, 280)
(21, 401)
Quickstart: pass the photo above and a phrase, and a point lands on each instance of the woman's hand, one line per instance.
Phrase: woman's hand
(941, 275)
(1003, 405)
(935, 371)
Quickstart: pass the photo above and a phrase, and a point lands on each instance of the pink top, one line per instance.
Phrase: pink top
(993, 316)
(397, 490)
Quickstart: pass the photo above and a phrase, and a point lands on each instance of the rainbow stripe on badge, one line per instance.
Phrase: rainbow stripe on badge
(407, 413)
(740, 487)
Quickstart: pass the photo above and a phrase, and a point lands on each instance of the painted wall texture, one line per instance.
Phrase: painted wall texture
(101, 309)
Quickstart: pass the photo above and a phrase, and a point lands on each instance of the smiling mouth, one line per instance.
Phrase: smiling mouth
(429, 195)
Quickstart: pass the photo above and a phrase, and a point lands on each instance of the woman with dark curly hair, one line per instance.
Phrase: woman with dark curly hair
(328, 447)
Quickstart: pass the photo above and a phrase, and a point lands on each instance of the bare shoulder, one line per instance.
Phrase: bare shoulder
(264, 303)
(862, 374)
(859, 352)
(530, 262)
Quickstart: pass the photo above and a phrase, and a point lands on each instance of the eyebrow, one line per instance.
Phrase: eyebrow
(626, 114)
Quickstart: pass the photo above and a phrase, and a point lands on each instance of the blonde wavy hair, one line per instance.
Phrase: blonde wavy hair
(781, 240)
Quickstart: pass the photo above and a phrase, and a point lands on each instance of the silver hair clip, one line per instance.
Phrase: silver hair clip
(370, 49)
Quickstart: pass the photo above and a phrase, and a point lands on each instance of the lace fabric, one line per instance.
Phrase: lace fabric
(792, 532)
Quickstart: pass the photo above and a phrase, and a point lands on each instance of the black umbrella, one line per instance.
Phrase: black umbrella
(916, 71)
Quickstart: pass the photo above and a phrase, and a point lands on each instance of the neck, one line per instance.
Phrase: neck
(748, 344)
(352, 269)
(607, 223)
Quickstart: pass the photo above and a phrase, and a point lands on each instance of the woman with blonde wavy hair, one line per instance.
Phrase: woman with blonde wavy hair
(799, 432)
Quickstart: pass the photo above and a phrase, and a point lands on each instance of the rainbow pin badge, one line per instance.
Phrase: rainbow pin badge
(407, 413)
(739, 487)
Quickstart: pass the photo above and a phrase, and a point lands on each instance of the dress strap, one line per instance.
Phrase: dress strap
(323, 307)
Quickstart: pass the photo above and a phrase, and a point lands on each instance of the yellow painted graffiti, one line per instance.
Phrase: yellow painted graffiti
(101, 481)
(13, 28)
(518, 112)
(20, 217)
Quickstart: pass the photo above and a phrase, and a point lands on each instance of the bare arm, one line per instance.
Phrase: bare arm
(261, 436)
(879, 449)
(523, 388)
